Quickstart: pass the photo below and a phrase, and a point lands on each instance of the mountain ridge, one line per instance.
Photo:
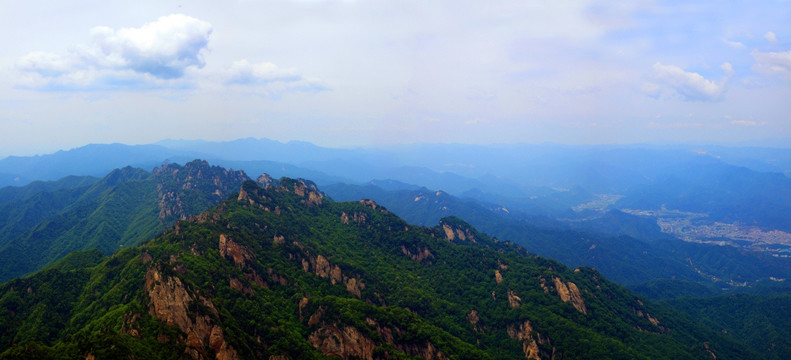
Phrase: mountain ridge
(280, 271)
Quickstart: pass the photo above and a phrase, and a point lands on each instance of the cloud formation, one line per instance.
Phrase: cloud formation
(690, 86)
(771, 37)
(243, 72)
(153, 55)
(773, 63)
(269, 79)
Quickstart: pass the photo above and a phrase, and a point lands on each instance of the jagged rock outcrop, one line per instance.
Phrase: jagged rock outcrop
(267, 181)
(170, 302)
(195, 180)
(498, 278)
(346, 343)
(358, 217)
(239, 253)
(568, 292)
(473, 318)
(513, 300)
(305, 189)
(372, 204)
(530, 339)
(452, 233)
(322, 267)
(419, 255)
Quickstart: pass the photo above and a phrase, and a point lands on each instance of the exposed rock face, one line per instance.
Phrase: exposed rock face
(455, 233)
(358, 217)
(425, 351)
(513, 300)
(419, 255)
(530, 341)
(346, 343)
(498, 277)
(305, 189)
(239, 253)
(266, 181)
(449, 234)
(236, 284)
(373, 205)
(473, 318)
(169, 302)
(354, 287)
(323, 268)
(650, 319)
(570, 292)
(708, 350)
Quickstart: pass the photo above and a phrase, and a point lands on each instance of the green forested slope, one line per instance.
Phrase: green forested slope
(124, 208)
(284, 271)
(761, 321)
(632, 260)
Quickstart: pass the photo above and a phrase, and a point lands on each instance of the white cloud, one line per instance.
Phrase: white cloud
(269, 79)
(771, 37)
(154, 55)
(690, 86)
(164, 48)
(243, 72)
(734, 44)
(747, 123)
(773, 63)
(727, 68)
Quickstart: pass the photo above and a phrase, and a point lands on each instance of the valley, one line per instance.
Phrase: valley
(694, 227)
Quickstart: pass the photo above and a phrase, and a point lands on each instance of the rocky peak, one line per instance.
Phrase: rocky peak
(267, 181)
(198, 182)
(303, 188)
(456, 229)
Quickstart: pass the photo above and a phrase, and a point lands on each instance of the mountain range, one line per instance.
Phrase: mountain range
(278, 270)
(124, 251)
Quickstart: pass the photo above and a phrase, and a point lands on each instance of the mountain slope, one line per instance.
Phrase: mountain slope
(124, 208)
(642, 255)
(761, 320)
(282, 272)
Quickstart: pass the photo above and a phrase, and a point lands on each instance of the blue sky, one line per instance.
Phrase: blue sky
(362, 73)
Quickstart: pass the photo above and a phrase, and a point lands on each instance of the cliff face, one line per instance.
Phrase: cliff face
(172, 303)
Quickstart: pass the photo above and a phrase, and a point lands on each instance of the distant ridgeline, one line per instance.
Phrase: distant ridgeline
(43, 221)
(280, 271)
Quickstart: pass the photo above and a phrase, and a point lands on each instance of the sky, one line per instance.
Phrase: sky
(366, 73)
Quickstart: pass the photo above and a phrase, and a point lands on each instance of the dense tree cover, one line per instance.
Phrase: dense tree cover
(42, 222)
(641, 256)
(276, 269)
(761, 321)
(14, 193)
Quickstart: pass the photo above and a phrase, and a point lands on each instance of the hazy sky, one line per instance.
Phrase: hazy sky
(348, 73)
